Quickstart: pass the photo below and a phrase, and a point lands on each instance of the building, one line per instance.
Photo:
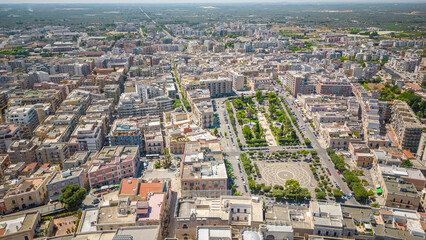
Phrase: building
(407, 127)
(409, 175)
(4, 164)
(217, 87)
(24, 117)
(340, 87)
(26, 193)
(298, 83)
(327, 219)
(125, 132)
(204, 114)
(54, 153)
(237, 212)
(112, 164)
(22, 151)
(8, 133)
(154, 143)
(88, 137)
(399, 194)
(364, 159)
(64, 178)
(19, 227)
(203, 175)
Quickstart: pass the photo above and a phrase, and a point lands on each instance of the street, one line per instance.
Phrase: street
(322, 153)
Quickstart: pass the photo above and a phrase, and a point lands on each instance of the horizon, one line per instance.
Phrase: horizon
(159, 2)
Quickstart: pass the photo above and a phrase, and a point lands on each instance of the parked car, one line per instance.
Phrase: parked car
(95, 201)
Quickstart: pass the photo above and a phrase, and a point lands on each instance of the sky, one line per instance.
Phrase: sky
(210, 1)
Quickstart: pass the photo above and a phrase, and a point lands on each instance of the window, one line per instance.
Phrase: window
(245, 210)
(29, 198)
(185, 226)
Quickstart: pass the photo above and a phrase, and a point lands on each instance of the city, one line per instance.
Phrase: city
(228, 120)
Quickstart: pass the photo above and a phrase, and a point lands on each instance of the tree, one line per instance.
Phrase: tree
(239, 104)
(215, 131)
(72, 196)
(252, 184)
(360, 193)
(307, 141)
(266, 188)
(407, 164)
(370, 193)
(259, 96)
(337, 193)
(320, 195)
(292, 186)
(277, 193)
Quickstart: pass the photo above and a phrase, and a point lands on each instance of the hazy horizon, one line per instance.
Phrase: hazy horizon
(207, 1)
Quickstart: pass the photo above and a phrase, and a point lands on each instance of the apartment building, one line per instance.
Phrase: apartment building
(340, 87)
(25, 118)
(203, 172)
(154, 143)
(22, 151)
(52, 96)
(204, 114)
(4, 164)
(21, 226)
(64, 178)
(399, 194)
(198, 95)
(88, 137)
(113, 92)
(298, 83)
(407, 127)
(112, 164)
(328, 118)
(125, 132)
(8, 133)
(54, 153)
(26, 193)
(217, 86)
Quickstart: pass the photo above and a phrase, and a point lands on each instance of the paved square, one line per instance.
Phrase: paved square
(279, 172)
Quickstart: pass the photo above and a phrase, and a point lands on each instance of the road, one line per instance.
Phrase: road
(322, 153)
(4, 43)
(230, 146)
(156, 24)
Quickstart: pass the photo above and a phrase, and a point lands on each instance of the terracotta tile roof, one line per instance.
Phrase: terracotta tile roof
(30, 167)
(145, 188)
(411, 85)
(408, 154)
(128, 186)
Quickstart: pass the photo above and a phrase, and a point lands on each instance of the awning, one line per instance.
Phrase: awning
(379, 190)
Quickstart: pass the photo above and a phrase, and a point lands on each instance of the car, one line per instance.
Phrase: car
(348, 196)
(329, 173)
(95, 201)
(338, 172)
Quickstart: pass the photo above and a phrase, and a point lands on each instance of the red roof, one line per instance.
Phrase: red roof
(30, 167)
(408, 154)
(411, 85)
(128, 186)
(145, 188)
